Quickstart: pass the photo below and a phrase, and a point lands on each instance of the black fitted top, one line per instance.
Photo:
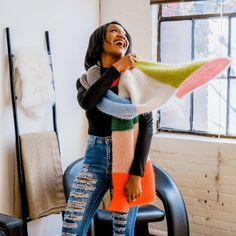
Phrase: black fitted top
(100, 123)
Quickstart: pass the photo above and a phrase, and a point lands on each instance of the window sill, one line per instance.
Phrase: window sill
(197, 138)
(193, 145)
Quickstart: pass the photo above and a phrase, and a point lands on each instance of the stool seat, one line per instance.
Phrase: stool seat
(147, 213)
(150, 213)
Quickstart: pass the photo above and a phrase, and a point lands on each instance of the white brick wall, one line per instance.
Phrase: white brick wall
(194, 163)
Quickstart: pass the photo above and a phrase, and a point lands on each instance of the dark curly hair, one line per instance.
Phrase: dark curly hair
(95, 46)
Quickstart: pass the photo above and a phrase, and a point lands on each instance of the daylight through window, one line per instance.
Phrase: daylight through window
(199, 30)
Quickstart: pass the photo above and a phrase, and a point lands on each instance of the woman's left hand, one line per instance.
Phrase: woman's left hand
(133, 188)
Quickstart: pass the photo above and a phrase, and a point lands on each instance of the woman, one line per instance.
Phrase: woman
(109, 48)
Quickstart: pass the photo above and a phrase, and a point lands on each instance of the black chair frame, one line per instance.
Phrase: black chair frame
(166, 190)
(10, 226)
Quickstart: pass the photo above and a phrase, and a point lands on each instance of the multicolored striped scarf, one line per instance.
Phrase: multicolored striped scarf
(146, 88)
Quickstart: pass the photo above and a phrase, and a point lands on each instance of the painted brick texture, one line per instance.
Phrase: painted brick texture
(205, 172)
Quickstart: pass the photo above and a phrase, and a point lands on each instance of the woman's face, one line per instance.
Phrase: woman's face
(116, 42)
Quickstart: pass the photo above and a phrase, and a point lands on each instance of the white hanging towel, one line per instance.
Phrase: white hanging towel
(33, 80)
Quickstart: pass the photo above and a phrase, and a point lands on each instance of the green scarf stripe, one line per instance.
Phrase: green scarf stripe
(173, 75)
(120, 124)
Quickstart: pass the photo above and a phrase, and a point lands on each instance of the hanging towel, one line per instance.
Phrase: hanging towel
(43, 174)
(145, 88)
(33, 80)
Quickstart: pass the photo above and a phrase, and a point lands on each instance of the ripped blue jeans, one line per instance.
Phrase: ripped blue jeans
(88, 190)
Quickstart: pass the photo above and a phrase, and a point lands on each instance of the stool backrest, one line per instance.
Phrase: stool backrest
(175, 210)
(70, 173)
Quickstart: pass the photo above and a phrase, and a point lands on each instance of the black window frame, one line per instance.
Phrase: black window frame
(193, 18)
(171, 1)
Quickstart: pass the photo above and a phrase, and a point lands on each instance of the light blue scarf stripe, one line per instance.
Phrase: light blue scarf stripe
(116, 106)
(115, 98)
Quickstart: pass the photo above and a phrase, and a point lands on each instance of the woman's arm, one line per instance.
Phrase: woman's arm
(143, 144)
(133, 187)
(88, 99)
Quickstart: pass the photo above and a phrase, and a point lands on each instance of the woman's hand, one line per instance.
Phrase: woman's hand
(133, 188)
(126, 62)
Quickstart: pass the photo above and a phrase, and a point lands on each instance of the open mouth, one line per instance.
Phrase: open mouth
(120, 43)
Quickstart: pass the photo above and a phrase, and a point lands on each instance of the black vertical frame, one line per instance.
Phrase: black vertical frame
(191, 115)
(228, 102)
(54, 111)
(159, 53)
(20, 169)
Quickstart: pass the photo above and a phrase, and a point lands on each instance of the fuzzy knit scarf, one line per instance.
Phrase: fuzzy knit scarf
(145, 88)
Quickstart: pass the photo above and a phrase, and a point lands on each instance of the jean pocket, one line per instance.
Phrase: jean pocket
(91, 143)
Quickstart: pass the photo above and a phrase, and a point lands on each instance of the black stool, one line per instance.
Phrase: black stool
(166, 190)
(10, 226)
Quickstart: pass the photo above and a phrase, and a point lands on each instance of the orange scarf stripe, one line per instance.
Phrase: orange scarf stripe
(120, 202)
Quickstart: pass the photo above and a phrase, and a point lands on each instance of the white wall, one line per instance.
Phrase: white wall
(136, 16)
(70, 24)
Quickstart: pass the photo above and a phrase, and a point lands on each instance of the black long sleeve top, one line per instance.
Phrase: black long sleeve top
(100, 123)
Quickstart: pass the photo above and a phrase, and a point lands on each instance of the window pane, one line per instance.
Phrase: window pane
(233, 47)
(229, 6)
(216, 101)
(211, 38)
(210, 107)
(176, 48)
(232, 113)
(200, 109)
(175, 41)
(176, 114)
(198, 7)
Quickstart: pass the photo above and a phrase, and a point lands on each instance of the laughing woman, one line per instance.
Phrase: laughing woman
(108, 56)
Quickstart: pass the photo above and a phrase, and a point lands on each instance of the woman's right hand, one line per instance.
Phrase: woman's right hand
(125, 63)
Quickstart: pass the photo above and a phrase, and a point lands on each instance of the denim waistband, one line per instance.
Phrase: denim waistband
(97, 139)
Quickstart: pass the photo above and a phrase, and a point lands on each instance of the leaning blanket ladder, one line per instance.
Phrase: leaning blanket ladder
(21, 176)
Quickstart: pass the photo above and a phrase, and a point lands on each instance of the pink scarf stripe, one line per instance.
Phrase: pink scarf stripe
(205, 73)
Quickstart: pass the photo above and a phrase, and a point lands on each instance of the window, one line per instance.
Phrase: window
(197, 30)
